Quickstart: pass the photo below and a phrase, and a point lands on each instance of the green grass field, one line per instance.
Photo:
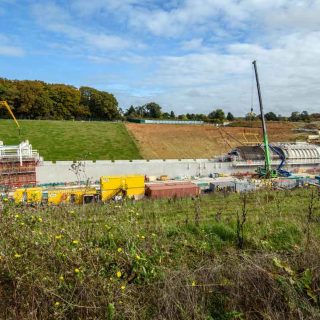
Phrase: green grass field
(217, 257)
(73, 140)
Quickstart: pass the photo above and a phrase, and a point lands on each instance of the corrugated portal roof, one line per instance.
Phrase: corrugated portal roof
(253, 153)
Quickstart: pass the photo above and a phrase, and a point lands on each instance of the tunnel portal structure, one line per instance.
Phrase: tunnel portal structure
(291, 152)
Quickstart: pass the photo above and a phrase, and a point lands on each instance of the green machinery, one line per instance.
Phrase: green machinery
(264, 172)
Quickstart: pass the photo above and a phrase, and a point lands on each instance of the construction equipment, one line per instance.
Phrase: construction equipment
(111, 187)
(131, 186)
(281, 172)
(266, 171)
(5, 104)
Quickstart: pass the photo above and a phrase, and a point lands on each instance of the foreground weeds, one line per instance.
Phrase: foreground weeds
(168, 259)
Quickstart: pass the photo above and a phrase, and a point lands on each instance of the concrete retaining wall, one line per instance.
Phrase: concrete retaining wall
(61, 171)
(49, 172)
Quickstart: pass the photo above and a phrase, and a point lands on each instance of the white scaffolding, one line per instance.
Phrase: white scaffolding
(23, 151)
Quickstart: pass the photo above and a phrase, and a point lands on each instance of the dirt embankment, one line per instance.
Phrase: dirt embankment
(160, 141)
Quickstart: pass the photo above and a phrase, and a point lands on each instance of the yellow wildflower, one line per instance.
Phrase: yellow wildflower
(119, 274)
(59, 236)
(17, 255)
(61, 278)
(123, 288)
(40, 219)
(138, 257)
(193, 284)
(17, 216)
(119, 250)
(153, 234)
(76, 270)
(71, 211)
(22, 223)
(75, 241)
(57, 304)
(142, 237)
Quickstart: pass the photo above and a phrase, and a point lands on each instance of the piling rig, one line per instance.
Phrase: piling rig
(264, 172)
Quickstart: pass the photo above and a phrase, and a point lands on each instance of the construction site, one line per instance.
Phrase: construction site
(25, 177)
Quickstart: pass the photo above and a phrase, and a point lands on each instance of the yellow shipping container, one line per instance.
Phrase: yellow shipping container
(75, 196)
(130, 186)
(112, 182)
(27, 195)
(135, 186)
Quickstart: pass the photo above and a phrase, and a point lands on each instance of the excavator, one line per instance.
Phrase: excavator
(4, 104)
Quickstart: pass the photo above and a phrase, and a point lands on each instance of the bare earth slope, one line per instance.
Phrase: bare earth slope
(159, 141)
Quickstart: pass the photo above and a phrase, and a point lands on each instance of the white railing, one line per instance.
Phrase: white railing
(21, 152)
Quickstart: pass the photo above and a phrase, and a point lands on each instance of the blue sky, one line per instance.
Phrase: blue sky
(187, 55)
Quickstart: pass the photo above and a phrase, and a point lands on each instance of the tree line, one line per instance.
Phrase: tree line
(40, 100)
(294, 117)
(154, 111)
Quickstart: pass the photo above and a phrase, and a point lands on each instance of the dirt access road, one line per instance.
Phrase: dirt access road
(162, 141)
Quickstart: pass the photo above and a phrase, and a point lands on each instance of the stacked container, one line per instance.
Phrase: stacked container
(172, 190)
(131, 186)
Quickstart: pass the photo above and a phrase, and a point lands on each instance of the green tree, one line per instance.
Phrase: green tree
(271, 116)
(153, 110)
(37, 99)
(102, 105)
(166, 115)
(65, 100)
(131, 112)
(217, 115)
(305, 116)
(230, 116)
(182, 117)
(172, 115)
(295, 116)
(9, 92)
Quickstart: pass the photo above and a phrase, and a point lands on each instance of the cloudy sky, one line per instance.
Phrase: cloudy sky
(187, 55)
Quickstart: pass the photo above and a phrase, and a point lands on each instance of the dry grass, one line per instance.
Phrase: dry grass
(64, 262)
(157, 141)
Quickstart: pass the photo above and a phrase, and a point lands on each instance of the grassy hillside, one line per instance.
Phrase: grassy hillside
(73, 140)
(217, 257)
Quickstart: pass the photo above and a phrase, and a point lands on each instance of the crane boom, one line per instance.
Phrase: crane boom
(268, 172)
(5, 104)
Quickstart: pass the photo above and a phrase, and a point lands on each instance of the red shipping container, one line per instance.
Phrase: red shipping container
(172, 190)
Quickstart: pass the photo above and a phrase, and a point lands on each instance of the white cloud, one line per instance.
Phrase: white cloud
(193, 44)
(181, 17)
(213, 42)
(289, 74)
(9, 49)
(6, 50)
(55, 19)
